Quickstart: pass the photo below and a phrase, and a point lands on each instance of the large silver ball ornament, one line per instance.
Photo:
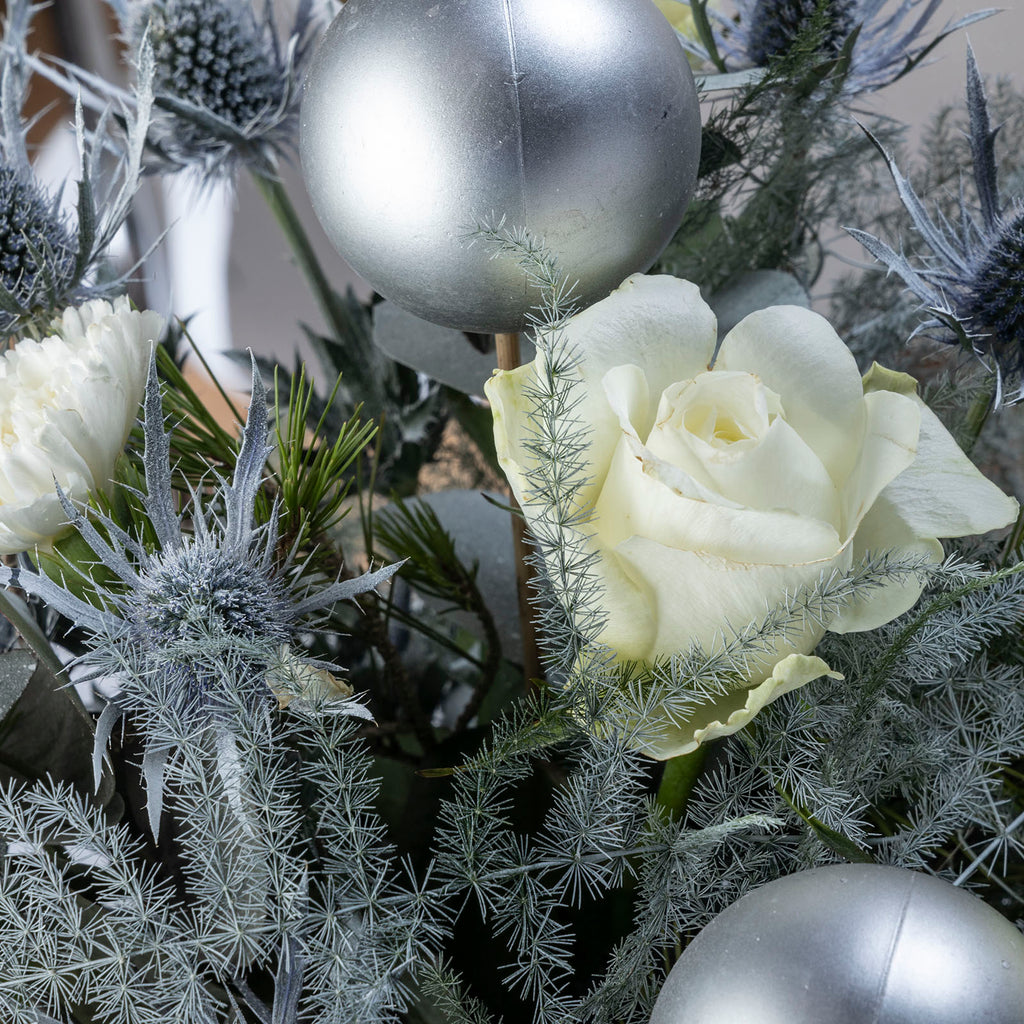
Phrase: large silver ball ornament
(574, 119)
(851, 944)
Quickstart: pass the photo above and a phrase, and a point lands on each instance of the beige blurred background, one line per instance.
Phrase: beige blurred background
(266, 296)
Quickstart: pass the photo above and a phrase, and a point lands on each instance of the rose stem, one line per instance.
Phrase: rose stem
(677, 782)
(507, 346)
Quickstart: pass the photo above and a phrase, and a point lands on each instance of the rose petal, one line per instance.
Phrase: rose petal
(510, 412)
(891, 428)
(942, 493)
(800, 357)
(774, 471)
(695, 597)
(884, 529)
(624, 603)
(647, 497)
(659, 324)
(629, 398)
(731, 713)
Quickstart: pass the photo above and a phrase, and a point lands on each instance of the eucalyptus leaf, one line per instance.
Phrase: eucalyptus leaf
(16, 670)
(44, 728)
(483, 534)
(14, 609)
(756, 289)
(443, 354)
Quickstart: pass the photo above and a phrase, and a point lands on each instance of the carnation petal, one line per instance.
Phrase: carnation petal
(797, 354)
(731, 713)
(39, 522)
(67, 405)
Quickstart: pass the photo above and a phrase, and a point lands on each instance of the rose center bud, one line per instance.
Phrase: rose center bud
(723, 410)
(728, 432)
(727, 411)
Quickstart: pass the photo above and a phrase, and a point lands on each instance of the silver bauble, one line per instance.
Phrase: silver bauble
(577, 120)
(850, 944)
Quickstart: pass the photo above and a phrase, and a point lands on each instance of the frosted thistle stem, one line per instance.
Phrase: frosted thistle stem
(507, 346)
(275, 196)
(677, 782)
(978, 413)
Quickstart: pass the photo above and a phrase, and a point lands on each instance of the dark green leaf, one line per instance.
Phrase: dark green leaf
(45, 729)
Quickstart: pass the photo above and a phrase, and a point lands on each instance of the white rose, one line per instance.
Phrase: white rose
(67, 405)
(720, 489)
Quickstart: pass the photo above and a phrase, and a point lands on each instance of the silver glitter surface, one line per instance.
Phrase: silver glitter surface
(850, 944)
(574, 119)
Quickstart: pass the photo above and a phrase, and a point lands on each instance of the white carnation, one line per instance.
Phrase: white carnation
(67, 405)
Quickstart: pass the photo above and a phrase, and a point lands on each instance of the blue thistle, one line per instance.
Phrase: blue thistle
(972, 285)
(192, 628)
(228, 89)
(46, 263)
(884, 43)
(36, 249)
(773, 27)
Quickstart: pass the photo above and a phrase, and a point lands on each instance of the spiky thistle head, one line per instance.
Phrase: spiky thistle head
(884, 40)
(46, 262)
(213, 54)
(993, 304)
(971, 280)
(775, 25)
(197, 626)
(196, 610)
(37, 252)
(228, 88)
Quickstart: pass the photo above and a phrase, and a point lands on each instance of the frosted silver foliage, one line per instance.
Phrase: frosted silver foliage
(286, 902)
(192, 628)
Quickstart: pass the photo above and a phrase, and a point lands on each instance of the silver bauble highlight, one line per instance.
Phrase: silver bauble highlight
(850, 944)
(577, 120)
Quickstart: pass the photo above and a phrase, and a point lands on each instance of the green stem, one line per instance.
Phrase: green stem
(275, 196)
(1014, 541)
(978, 413)
(677, 782)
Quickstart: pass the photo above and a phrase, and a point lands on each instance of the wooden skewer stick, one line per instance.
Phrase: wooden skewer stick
(507, 346)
